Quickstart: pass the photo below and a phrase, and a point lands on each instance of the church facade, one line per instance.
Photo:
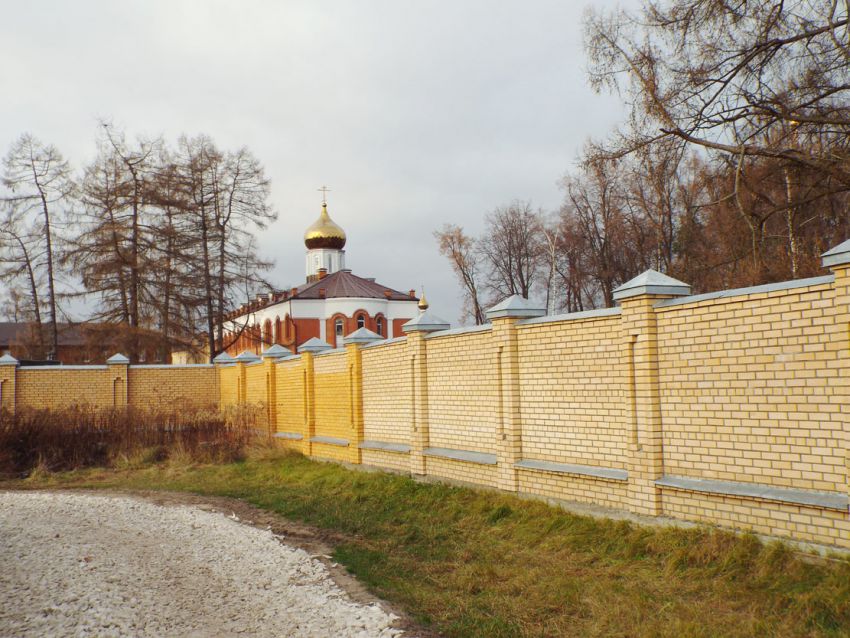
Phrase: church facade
(332, 303)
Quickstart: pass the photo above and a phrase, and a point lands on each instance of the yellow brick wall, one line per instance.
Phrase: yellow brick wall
(751, 389)
(387, 384)
(400, 462)
(463, 392)
(54, 388)
(173, 387)
(462, 471)
(582, 489)
(813, 524)
(333, 405)
(573, 399)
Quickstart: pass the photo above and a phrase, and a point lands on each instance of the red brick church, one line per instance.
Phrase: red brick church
(332, 303)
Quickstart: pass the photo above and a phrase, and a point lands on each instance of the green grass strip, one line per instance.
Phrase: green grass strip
(478, 563)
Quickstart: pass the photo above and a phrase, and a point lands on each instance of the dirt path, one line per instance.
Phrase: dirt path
(166, 565)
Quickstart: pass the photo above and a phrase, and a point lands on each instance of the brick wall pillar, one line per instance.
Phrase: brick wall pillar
(353, 343)
(242, 360)
(8, 380)
(416, 330)
(640, 343)
(118, 365)
(270, 356)
(221, 361)
(309, 402)
(308, 349)
(504, 317)
(355, 388)
(838, 261)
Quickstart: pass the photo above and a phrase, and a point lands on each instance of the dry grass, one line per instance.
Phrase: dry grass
(473, 563)
(60, 440)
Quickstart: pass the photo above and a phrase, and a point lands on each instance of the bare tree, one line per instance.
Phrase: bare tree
(18, 273)
(462, 253)
(227, 196)
(41, 188)
(513, 249)
(595, 207)
(734, 78)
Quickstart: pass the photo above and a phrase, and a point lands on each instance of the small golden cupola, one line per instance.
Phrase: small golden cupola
(324, 233)
(423, 303)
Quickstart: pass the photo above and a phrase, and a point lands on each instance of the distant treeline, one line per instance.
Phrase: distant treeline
(159, 237)
(732, 168)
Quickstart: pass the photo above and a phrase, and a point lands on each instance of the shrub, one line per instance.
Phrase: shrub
(57, 440)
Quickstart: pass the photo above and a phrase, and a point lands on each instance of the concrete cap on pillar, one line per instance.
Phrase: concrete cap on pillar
(426, 322)
(837, 256)
(515, 306)
(362, 335)
(652, 282)
(314, 345)
(274, 351)
(246, 356)
(8, 360)
(223, 358)
(117, 359)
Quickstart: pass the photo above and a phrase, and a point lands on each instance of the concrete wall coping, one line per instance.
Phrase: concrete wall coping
(330, 440)
(384, 342)
(61, 368)
(573, 316)
(171, 366)
(607, 473)
(461, 455)
(292, 357)
(251, 364)
(459, 331)
(752, 290)
(837, 256)
(385, 446)
(827, 500)
(292, 436)
(325, 353)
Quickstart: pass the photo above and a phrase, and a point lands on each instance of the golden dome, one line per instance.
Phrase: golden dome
(423, 303)
(324, 233)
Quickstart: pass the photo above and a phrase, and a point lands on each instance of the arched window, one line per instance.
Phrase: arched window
(379, 325)
(339, 328)
(361, 321)
(278, 330)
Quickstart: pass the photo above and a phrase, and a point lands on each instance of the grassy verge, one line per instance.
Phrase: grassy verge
(475, 563)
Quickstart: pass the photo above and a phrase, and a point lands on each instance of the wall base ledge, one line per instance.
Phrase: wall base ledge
(606, 473)
(385, 446)
(292, 436)
(330, 440)
(482, 458)
(810, 498)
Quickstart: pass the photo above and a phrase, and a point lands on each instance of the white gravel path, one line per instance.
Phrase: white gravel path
(90, 565)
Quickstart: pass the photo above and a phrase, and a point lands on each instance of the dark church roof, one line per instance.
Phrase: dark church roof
(345, 284)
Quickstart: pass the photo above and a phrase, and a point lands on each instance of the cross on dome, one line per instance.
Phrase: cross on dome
(325, 190)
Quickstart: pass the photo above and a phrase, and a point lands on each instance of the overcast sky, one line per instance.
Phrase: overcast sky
(413, 113)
